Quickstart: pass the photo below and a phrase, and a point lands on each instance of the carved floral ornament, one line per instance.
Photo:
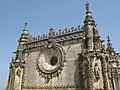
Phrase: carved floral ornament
(50, 61)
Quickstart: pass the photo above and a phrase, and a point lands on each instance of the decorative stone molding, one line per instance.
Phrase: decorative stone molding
(23, 78)
(53, 34)
(56, 39)
(50, 87)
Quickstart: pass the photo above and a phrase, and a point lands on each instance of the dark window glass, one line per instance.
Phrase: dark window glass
(53, 60)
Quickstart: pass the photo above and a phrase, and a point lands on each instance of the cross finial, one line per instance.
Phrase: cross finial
(87, 6)
(108, 37)
(25, 26)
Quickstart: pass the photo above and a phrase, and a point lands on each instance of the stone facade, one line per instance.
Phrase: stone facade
(71, 59)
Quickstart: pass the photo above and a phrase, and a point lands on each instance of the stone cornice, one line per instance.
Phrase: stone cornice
(57, 38)
(35, 44)
(50, 87)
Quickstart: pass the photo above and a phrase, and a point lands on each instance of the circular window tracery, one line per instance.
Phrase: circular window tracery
(50, 61)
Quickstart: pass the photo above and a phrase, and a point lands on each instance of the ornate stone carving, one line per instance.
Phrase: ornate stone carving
(51, 87)
(95, 60)
(50, 61)
(18, 72)
(96, 71)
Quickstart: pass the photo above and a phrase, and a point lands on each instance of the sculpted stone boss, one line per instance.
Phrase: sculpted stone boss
(71, 59)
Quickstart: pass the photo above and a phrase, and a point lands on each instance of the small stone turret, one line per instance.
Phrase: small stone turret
(88, 27)
(92, 41)
(24, 36)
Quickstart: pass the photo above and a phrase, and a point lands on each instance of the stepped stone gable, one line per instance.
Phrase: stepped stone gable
(70, 59)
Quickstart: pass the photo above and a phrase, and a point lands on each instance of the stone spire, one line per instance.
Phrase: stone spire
(24, 35)
(87, 7)
(91, 31)
(110, 49)
(88, 17)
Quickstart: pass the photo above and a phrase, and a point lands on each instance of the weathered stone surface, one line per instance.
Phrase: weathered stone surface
(71, 59)
(67, 74)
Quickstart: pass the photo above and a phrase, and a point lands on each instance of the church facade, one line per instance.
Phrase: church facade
(70, 59)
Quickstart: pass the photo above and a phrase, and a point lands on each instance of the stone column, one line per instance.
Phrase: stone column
(104, 73)
(89, 76)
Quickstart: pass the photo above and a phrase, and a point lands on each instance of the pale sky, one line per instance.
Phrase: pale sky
(41, 15)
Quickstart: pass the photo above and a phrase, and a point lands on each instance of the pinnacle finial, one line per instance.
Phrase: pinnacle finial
(25, 30)
(87, 6)
(25, 26)
(108, 38)
(24, 34)
(109, 47)
(88, 18)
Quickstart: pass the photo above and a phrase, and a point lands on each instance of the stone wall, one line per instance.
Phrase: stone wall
(68, 76)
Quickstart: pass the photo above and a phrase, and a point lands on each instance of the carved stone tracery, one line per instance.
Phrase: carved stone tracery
(44, 66)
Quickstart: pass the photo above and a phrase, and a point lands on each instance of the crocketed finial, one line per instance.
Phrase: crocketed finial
(110, 49)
